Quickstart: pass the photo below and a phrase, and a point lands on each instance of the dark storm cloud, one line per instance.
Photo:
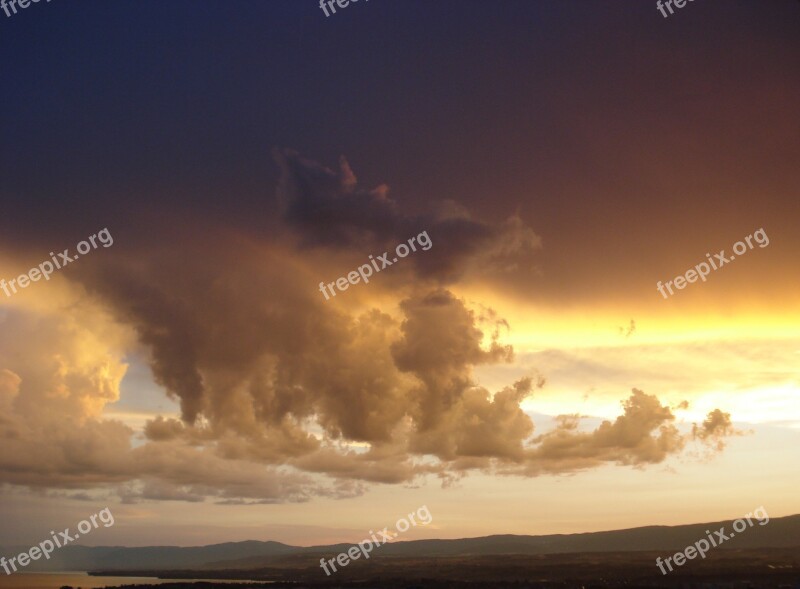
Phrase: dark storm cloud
(327, 208)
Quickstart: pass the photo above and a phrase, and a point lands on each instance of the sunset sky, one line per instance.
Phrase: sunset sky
(522, 375)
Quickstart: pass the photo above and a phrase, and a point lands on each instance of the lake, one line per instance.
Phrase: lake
(78, 579)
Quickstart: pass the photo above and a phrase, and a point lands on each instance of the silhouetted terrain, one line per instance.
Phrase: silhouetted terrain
(85, 558)
(729, 569)
(248, 556)
(761, 556)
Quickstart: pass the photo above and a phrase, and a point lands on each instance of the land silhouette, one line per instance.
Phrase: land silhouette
(762, 556)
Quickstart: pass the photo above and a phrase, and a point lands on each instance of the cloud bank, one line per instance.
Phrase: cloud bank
(284, 397)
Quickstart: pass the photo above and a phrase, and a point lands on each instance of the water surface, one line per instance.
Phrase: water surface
(83, 580)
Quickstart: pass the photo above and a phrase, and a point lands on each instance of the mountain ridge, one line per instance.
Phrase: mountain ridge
(250, 554)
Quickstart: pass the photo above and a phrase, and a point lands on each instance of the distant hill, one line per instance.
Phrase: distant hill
(84, 558)
(778, 533)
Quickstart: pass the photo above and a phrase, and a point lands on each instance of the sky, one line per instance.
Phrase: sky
(522, 369)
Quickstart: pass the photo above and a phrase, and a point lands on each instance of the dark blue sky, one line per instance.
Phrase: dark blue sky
(116, 110)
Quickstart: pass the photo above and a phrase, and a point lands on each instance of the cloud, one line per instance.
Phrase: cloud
(163, 429)
(440, 345)
(326, 208)
(628, 331)
(643, 434)
(285, 396)
(715, 428)
(9, 389)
